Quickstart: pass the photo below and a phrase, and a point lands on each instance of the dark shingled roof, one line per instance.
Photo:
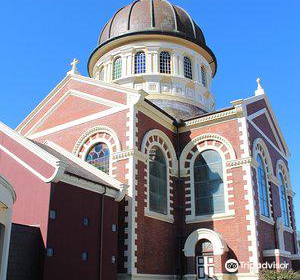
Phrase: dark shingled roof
(73, 168)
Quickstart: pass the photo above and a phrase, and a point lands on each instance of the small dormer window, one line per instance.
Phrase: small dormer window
(188, 71)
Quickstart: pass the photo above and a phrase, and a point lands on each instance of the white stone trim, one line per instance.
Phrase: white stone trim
(192, 218)
(262, 112)
(168, 217)
(166, 140)
(260, 148)
(7, 198)
(267, 139)
(42, 154)
(95, 130)
(105, 177)
(77, 122)
(219, 245)
(202, 138)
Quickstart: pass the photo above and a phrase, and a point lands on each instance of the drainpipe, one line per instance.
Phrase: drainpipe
(101, 232)
(180, 207)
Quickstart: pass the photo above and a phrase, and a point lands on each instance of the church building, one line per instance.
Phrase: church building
(132, 173)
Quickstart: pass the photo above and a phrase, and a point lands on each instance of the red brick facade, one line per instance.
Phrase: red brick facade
(147, 243)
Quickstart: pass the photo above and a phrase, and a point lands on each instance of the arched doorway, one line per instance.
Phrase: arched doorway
(205, 265)
(205, 252)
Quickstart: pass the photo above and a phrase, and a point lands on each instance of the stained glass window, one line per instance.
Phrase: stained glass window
(284, 201)
(188, 71)
(157, 181)
(203, 76)
(98, 156)
(263, 188)
(165, 63)
(117, 71)
(208, 183)
(140, 63)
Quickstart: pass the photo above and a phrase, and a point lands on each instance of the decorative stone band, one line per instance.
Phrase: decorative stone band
(231, 113)
(241, 162)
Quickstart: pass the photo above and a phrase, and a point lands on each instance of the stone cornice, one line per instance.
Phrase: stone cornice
(129, 153)
(240, 162)
(230, 113)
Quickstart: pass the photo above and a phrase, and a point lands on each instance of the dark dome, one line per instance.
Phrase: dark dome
(153, 17)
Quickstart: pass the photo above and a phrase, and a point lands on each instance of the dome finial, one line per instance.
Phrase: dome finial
(260, 89)
(258, 83)
(74, 66)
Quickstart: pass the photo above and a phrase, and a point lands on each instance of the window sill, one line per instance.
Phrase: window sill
(267, 220)
(207, 218)
(158, 216)
(288, 229)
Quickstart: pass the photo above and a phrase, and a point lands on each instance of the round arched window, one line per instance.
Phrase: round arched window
(158, 181)
(208, 182)
(98, 156)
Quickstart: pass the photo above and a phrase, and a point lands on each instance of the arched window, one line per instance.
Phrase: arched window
(188, 71)
(165, 63)
(101, 74)
(158, 181)
(208, 184)
(284, 201)
(140, 63)
(263, 188)
(98, 156)
(203, 76)
(117, 71)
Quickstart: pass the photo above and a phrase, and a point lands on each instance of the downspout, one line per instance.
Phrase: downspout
(180, 208)
(101, 232)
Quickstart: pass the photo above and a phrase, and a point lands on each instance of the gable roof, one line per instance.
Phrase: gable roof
(63, 164)
(269, 114)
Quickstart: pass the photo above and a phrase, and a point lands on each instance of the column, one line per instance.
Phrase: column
(6, 241)
(176, 64)
(153, 58)
(180, 65)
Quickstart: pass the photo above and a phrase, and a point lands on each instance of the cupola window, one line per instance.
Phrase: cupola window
(263, 188)
(101, 74)
(98, 156)
(208, 184)
(188, 71)
(165, 63)
(203, 76)
(140, 63)
(117, 68)
(157, 181)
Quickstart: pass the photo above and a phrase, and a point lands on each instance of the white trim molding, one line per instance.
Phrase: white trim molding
(157, 138)
(194, 149)
(260, 148)
(94, 131)
(217, 241)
